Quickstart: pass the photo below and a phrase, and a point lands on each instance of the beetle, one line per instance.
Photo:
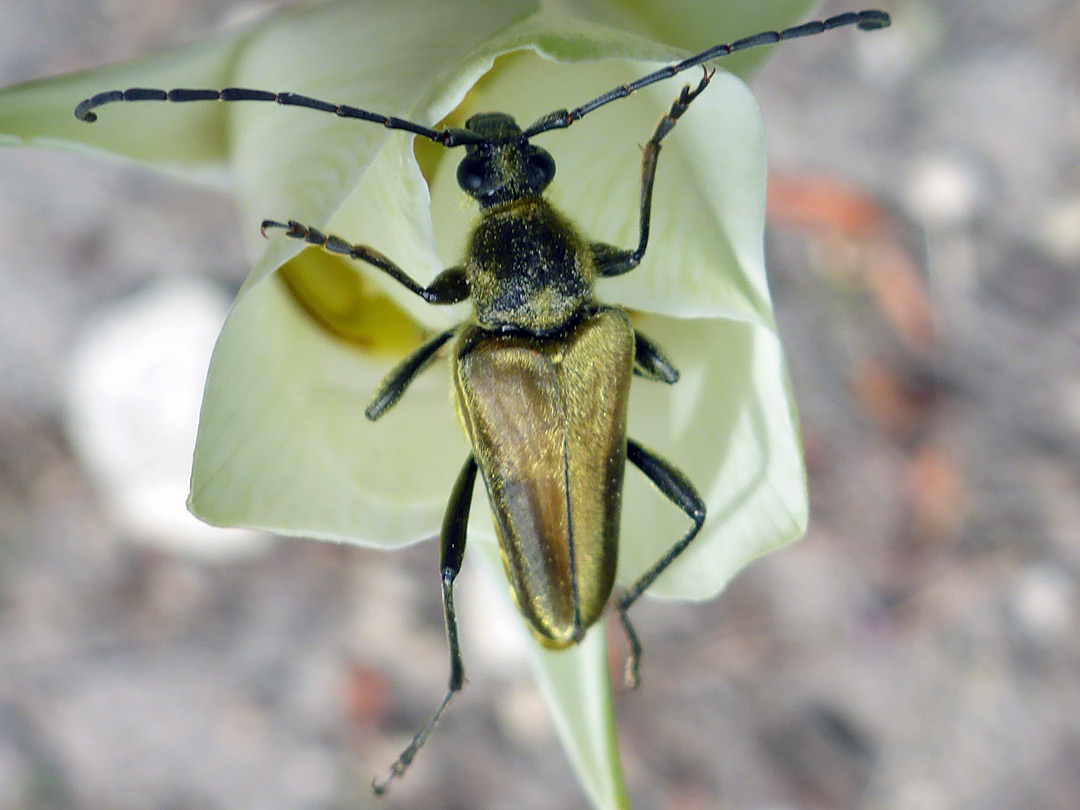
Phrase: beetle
(540, 370)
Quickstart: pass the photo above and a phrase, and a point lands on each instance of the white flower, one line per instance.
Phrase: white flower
(283, 443)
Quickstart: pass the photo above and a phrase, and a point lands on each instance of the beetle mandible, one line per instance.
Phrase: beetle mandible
(541, 370)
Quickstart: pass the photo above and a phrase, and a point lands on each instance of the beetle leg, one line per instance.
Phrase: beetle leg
(393, 385)
(678, 489)
(613, 261)
(452, 550)
(449, 287)
(650, 361)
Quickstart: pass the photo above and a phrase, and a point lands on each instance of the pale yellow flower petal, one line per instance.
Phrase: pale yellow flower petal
(284, 445)
(191, 140)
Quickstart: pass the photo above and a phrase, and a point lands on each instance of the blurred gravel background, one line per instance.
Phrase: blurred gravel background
(917, 651)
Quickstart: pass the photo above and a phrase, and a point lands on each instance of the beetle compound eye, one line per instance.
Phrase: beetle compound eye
(470, 174)
(541, 169)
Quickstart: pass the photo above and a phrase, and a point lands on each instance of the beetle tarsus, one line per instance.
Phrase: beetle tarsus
(451, 553)
(270, 223)
(405, 760)
(631, 672)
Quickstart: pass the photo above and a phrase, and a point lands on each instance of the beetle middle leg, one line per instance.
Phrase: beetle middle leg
(613, 261)
(452, 550)
(680, 491)
(449, 287)
(650, 361)
(393, 385)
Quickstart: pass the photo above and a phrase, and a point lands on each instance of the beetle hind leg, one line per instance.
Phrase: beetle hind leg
(680, 491)
(452, 550)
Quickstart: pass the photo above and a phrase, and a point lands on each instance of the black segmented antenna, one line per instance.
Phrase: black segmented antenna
(867, 20)
(449, 136)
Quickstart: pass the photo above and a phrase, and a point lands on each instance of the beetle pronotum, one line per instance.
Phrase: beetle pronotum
(539, 357)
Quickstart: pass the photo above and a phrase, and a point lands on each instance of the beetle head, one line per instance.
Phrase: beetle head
(504, 166)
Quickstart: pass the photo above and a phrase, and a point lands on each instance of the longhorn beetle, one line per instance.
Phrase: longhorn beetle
(541, 370)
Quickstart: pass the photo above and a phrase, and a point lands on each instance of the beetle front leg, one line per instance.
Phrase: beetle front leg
(613, 261)
(449, 287)
(678, 489)
(393, 385)
(452, 550)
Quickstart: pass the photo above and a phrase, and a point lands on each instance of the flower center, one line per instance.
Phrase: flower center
(344, 303)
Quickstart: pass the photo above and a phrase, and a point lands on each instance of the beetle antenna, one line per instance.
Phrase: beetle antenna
(868, 20)
(448, 137)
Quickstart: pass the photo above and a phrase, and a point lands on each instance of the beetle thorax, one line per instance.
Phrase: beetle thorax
(529, 270)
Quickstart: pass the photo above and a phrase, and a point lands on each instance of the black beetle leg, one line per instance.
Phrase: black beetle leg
(650, 361)
(452, 550)
(613, 261)
(678, 489)
(393, 385)
(449, 287)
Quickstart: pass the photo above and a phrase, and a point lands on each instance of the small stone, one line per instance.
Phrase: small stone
(1041, 602)
(945, 191)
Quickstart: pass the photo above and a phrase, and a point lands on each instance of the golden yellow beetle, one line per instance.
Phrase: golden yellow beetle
(541, 370)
